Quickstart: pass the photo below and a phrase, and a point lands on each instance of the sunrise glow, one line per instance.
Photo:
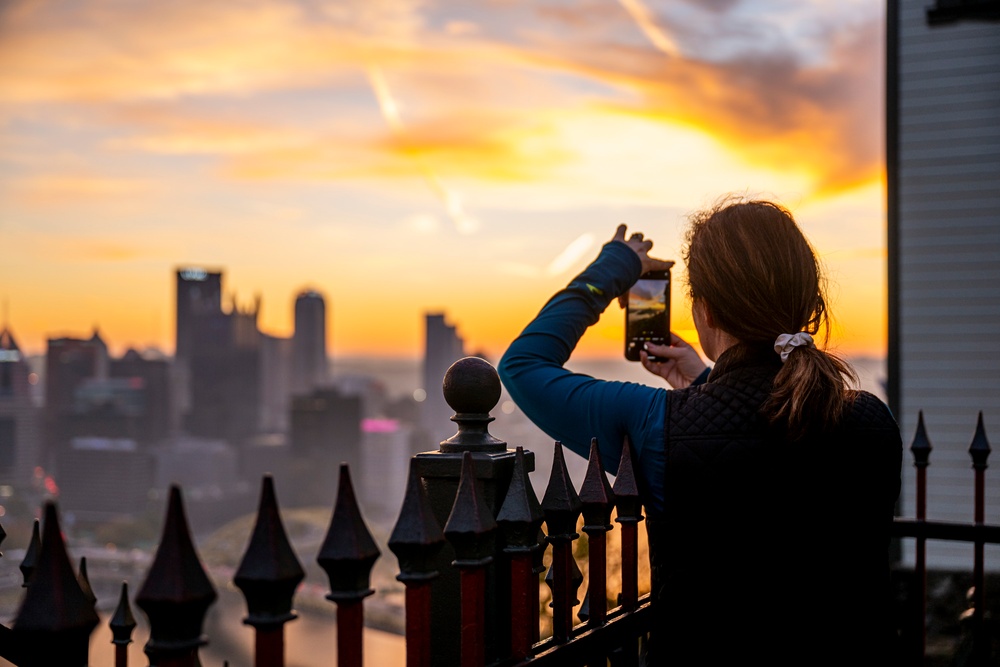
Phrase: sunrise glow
(403, 156)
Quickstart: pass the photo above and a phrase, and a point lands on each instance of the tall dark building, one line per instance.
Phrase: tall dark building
(309, 360)
(69, 362)
(442, 347)
(225, 374)
(199, 293)
(20, 419)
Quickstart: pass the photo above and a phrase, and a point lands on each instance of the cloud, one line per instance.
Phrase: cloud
(120, 51)
(71, 189)
(774, 109)
(488, 106)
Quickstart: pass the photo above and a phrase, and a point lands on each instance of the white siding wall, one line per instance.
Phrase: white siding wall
(949, 263)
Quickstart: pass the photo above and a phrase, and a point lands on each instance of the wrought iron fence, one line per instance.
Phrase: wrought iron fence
(468, 541)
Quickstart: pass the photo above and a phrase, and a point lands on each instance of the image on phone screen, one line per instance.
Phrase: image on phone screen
(647, 315)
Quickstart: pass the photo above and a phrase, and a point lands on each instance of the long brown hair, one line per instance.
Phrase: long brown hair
(750, 264)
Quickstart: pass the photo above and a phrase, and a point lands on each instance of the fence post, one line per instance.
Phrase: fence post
(629, 509)
(416, 541)
(268, 575)
(597, 499)
(519, 519)
(921, 450)
(347, 555)
(122, 624)
(54, 622)
(176, 593)
(980, 451)
(472, 388)
(629, 515)
(561, 506)
(471, 531)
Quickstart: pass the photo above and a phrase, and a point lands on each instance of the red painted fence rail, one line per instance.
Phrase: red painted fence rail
(492, 532)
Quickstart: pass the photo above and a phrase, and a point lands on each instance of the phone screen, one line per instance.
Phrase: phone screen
(647, 316)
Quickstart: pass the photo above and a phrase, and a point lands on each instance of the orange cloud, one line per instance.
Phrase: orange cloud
(76, 188)
(822, 119)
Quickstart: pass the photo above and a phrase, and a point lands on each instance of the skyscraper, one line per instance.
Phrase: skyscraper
(20, 420)
(442, 347)
(309, 360)
(199, 293)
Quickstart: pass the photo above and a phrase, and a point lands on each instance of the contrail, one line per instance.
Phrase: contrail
(464, 223)
(568, 257)
(562, 262)
(644, 19)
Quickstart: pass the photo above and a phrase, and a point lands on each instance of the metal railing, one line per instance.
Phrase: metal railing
(470, 548)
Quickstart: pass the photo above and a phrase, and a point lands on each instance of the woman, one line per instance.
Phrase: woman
(768, 483)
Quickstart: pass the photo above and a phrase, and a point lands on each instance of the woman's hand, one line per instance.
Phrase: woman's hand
(680, 364)
(641, 246)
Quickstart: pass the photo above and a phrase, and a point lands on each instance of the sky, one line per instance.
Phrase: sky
(404, 157)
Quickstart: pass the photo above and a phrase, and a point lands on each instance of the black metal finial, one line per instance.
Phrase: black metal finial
(84, 580)
(472, 388)
(596, 494)
(471, 528)
(177, 592)
(122, 623)
(416, 538)
(30, 559)
(521, 515)
(980, 447)
(561, 504)
(55, 618)
(921, 446)
(269, 571)
(626, 489)
(349, 551)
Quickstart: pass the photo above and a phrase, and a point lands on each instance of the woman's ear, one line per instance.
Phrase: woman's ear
(709, 317)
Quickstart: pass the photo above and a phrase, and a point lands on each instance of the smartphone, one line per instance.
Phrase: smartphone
(647, 314)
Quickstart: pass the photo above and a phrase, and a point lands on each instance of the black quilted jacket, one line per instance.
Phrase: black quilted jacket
(772, 552)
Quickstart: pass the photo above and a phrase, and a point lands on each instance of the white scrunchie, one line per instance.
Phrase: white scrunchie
(785, 343)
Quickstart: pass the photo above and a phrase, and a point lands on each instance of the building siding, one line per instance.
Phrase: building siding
(948, 267)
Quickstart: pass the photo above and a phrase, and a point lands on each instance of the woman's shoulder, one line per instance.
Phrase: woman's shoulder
(867, 411)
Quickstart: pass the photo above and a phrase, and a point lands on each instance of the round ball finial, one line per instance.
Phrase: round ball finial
(471, 385)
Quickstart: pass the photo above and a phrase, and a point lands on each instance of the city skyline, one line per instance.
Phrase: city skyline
(453, 157)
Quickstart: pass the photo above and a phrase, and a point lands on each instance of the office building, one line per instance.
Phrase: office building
(20, 419)
(442, 347)
(309, 358)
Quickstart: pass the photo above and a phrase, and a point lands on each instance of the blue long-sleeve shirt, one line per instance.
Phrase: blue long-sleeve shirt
(574, 408)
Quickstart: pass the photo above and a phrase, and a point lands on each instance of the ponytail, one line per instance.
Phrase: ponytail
(811, 391)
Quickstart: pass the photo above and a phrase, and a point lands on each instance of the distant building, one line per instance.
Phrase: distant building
(943, 166)
(275, 383)
(225, 375)
(198, 300)
(199, 293)
(68, 363)
(325, 432)
(309, 359)
(151, 377)
(442, 347)
(20, 419)
(103, 477)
